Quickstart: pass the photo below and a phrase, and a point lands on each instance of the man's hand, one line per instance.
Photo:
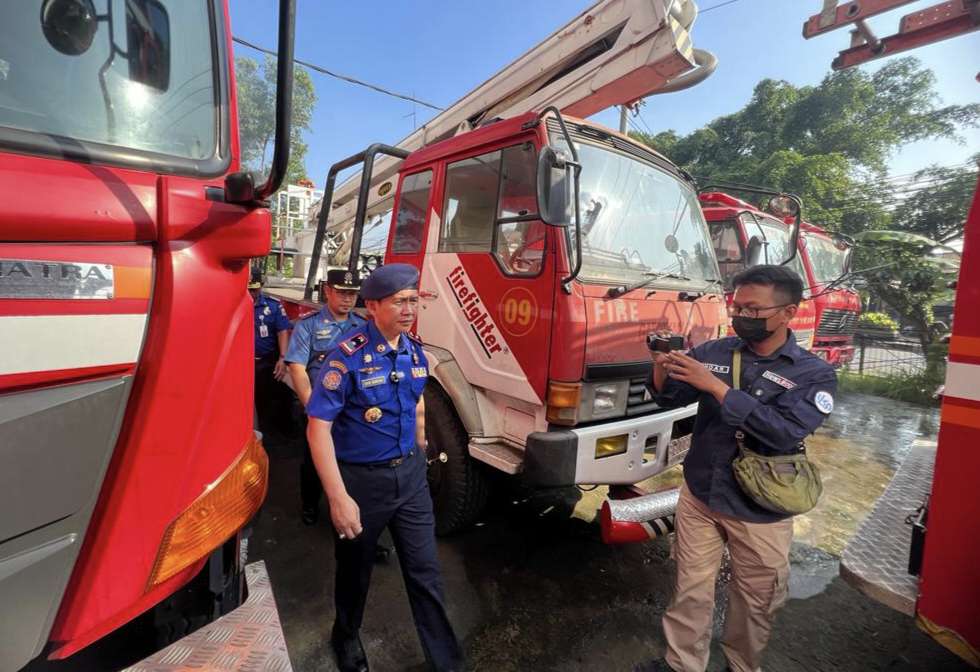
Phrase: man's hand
(346, 516)
(689, 370)
(280, 370)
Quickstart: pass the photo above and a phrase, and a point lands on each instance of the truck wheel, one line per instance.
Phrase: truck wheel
(458, 485)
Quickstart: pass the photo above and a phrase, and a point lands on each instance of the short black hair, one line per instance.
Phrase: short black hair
(781, 279)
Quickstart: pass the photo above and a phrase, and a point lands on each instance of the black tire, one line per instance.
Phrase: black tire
(459, 485)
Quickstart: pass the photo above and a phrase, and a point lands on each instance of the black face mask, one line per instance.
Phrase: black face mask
(751, 329)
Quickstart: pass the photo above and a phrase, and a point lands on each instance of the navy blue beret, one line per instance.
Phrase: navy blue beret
(389, 279)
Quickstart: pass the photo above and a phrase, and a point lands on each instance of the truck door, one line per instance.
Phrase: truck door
(488, 276)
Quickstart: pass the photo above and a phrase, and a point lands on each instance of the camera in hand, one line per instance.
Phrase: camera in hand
(658, 343)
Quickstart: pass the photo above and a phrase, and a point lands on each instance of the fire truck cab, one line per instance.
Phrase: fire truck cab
(827, 259)
(743, 236)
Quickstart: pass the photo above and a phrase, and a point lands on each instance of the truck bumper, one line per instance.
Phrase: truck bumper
(568, 456)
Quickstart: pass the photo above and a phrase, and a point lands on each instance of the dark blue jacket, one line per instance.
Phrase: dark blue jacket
(782, 399)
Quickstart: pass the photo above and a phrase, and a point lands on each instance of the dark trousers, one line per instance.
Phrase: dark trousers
(397, 498)
(273, 399)
(310, 488)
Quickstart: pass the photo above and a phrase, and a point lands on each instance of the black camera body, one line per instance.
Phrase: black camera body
(664, 343)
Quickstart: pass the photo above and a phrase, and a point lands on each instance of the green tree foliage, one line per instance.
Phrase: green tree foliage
(830, 144)
(257, 115)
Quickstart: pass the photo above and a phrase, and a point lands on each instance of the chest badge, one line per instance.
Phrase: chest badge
(373, 414)
(381, 347)
(779, 380)
(368, 358)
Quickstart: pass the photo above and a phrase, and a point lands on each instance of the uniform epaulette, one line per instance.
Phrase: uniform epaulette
(354, 343)
(414, 337)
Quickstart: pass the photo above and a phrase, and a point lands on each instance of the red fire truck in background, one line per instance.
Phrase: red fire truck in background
(128, 463)
(827, 258)
(743, 236)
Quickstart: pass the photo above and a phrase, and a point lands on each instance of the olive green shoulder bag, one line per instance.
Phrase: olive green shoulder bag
(788, 484)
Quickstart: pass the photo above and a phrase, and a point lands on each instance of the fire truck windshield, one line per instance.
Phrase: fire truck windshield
(826, 258)
(639, 219)
(132, 74)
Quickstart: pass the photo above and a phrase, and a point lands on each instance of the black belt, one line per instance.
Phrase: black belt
(384, 464)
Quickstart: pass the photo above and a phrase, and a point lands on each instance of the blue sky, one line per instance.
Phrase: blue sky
(438, 50)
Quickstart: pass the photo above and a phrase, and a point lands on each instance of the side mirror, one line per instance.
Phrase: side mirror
(783, 206)
(69, 25)
(848, 257)
(148, 43)
(555, 182)
(753, 251)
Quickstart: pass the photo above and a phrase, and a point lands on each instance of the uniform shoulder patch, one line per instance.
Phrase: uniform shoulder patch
(824, 401)
(337, 364)
(332, 380)
(354, 343)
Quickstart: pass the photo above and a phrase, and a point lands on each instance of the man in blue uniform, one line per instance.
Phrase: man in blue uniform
(312, 340)
(271, 340)
(367, 435)
(784, 394)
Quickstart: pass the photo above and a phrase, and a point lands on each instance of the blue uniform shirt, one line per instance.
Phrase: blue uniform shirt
(783, 399)
(316, 335)
(270, 319)
(369, 391)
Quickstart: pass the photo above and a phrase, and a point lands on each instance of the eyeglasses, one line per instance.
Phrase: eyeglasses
(736, 311)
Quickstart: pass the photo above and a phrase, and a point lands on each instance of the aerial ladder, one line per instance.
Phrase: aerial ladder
(614, 53)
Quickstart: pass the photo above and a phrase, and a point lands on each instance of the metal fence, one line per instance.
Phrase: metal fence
(887, 355)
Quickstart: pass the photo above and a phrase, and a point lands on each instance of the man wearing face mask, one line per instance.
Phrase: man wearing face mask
(784, 394)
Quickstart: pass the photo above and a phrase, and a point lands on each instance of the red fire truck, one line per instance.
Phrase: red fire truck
(743, 236)
(536, 301)
(919, 550)
(128, 463)
(827, 258)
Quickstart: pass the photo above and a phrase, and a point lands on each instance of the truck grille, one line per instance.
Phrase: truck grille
(835, 322)
(640, 399)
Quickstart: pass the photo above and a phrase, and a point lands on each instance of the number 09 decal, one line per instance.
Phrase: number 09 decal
(518, 311)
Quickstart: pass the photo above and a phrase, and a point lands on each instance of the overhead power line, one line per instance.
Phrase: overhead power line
(720, 4)
(351, 80)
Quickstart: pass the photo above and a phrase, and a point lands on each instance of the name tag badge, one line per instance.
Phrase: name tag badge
(372, 382)
(263, 331)
(716, 368)
(779, 380)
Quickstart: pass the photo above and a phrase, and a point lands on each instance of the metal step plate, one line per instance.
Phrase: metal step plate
(249, 639)
(876, 559)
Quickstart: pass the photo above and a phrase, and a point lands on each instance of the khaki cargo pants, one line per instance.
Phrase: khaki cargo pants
(760, 569)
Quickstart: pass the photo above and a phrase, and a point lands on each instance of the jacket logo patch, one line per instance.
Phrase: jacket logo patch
(779, 380)
(716, 368)
(824, 401)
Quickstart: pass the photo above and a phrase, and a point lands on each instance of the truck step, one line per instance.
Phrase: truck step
(247, 639)
(876, 559)
(508, 459)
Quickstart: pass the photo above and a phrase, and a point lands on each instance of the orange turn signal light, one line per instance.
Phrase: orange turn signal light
(224, 508)
(563, 402)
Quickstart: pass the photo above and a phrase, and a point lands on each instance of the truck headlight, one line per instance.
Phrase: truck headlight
(603, 400)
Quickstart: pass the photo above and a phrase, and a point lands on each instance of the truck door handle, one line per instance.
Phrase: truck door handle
(428, 294)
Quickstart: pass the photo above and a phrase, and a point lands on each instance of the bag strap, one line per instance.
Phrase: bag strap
(737, 369)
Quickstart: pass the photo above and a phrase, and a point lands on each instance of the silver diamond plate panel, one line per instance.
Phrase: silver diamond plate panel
(249, 639)
(876, 559)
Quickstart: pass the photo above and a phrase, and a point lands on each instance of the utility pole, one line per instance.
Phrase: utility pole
(623, 110)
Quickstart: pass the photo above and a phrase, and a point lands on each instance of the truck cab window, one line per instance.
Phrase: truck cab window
(471, 203)
(487, 192)
(412, 210)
